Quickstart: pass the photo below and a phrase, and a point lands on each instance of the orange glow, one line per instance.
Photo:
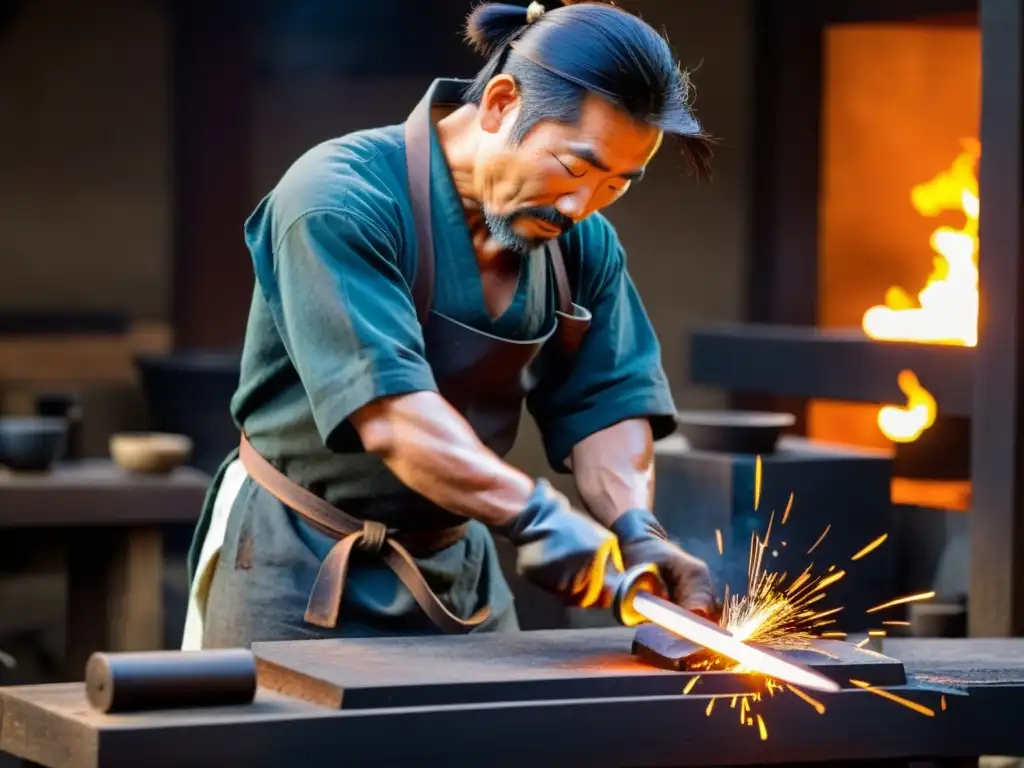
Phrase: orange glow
(945, 311)
(904, 424)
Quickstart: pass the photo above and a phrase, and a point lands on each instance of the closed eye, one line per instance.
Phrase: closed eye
(568, 169)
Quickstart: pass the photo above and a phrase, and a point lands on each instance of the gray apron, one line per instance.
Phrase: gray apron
(484, 377)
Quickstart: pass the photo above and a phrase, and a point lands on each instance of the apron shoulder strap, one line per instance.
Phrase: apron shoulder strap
(417, 158)
(564, 292)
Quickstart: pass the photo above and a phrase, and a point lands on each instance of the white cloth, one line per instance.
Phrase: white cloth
(234, 476)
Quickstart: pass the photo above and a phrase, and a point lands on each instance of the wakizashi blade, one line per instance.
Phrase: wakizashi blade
(709, 635)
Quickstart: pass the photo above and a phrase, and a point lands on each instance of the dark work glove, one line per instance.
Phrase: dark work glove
(561, 550)
(643, 540)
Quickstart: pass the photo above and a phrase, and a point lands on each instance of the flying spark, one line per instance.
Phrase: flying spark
(901, 601)
(784, 613)
(920, 708)
(821, 538)
(789, 506)
(757, 483)
(871, 547)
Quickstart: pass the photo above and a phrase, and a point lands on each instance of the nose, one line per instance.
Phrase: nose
(576, 205)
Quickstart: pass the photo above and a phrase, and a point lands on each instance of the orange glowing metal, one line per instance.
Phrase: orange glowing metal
(699, 630)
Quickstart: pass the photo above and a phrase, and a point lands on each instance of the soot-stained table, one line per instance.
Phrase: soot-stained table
(109, 520)
(972, 687)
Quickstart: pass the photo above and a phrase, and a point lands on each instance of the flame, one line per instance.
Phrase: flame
(904, 424)
(946, 309)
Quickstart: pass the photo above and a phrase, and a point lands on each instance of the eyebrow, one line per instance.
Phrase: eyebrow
(585, 153)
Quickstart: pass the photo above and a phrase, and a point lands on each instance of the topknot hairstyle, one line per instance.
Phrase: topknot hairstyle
(560, 55)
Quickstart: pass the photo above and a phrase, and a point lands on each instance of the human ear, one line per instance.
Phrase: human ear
(499, 103)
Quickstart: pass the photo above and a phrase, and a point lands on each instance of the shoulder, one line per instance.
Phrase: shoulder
(594, 255)
(359, 177)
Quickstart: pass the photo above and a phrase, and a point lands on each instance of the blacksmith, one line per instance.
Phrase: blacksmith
(416, 285)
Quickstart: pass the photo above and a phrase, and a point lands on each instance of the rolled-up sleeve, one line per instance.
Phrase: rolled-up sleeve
(617, 372)
(345, 314)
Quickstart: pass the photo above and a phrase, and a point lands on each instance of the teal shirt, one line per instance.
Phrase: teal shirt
(333, 326)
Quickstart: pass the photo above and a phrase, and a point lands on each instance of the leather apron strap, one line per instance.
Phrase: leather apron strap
(366, 535)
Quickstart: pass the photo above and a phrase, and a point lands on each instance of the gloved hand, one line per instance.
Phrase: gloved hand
(643, 540)
(561, 550)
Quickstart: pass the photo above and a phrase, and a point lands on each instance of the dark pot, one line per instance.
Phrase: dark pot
(32, 443)
(189, 393)
(753, 432)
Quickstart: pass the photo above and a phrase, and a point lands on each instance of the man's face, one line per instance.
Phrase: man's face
(559, 174)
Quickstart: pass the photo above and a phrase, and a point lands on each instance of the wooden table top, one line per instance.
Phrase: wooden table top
(53, 725)
(96, 493)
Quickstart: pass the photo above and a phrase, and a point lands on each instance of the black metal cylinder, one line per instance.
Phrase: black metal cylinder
(135, 682)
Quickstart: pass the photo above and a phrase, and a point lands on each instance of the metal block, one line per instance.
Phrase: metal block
(841, 489)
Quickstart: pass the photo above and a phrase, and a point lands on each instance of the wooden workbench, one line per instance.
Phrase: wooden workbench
(109, 521)
(982, 683)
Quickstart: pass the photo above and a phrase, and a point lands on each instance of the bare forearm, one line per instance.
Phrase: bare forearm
(614, 469)
(431, 448)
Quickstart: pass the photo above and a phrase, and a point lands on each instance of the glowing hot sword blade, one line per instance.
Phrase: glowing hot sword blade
(697, 629)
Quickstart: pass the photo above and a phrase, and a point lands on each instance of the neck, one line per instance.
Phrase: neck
(458, 136)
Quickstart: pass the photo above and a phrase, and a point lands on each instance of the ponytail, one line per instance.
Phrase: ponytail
(491, 26)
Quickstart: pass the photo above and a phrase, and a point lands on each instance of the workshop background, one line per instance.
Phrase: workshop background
(137, 135)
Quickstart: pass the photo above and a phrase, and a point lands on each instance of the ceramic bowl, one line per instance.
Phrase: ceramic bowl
(32, 443)
(733, 431)
(149, 452)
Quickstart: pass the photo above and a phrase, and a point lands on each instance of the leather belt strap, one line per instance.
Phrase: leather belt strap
(369, 536)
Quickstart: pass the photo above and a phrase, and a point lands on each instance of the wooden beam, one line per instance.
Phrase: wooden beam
(997, 516)
(890, 11)
(213, 276)
(782, 276)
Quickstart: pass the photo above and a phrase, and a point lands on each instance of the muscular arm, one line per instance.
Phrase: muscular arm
(614, 469)
(431, 448)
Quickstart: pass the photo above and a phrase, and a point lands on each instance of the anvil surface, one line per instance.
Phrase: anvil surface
(980, 681)
(519, 666)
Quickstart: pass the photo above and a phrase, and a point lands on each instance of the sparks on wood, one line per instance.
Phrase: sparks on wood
(913, 705)
(818, 706)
